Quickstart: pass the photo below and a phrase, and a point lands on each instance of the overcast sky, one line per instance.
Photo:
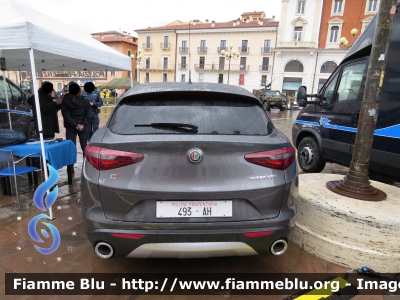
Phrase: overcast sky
(91, 16)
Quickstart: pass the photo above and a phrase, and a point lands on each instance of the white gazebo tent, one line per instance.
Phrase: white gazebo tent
(30, 41)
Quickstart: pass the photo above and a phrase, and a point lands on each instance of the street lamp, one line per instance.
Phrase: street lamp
(354, 31)
(138, 59)
(229, 55)
(343, 41)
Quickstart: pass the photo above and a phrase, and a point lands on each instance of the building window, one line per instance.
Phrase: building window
(183, 62)
(300, 7)
(112, 73)
(245, 45)
(265, 64)
(129, 53)
(294, 66)
(147, 77)
(243, 63)
(297, 33)
(135, 73)
(166, 41)
(372, 5)
(267, 46)
(222, 46)
(201, 77)
(165, 63)
(202, 62)
(221, 65)
(164, 77)
(129, 73)
(59, 87)
(337, 6)
(328, 67)
(148, 44)
(184, 46)
(148, 63)
(334, 34)
(183, 77)
(264, 80)
(203, 46)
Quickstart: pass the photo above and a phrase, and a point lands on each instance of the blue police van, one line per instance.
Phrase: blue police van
(325, 128)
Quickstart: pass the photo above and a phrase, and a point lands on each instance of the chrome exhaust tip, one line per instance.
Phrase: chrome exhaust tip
(279, 247)
(104, 250)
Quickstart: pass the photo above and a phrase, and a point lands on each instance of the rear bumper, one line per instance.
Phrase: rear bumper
(189, 243)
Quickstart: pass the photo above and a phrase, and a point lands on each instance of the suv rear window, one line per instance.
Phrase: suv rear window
(211, 113)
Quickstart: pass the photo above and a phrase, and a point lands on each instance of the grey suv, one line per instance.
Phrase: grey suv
(188, 170)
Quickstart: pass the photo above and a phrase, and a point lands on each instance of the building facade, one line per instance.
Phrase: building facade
(122, 42)
(309, 48)
(194, 50)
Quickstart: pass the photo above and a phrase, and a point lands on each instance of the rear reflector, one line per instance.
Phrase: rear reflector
(107, 159)
(279, 159)
(258, 233)
(128, 235)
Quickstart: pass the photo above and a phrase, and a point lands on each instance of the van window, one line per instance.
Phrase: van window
(328, 93)
(350, 82)
(16, 95)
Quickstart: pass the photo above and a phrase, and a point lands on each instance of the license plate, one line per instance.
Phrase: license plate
(193, 209)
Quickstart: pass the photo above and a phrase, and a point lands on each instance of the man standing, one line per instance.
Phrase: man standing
(48, 108)
(93, 96)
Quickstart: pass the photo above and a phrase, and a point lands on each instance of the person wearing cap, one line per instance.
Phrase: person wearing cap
(76, 112)
(93, 96)
(49, 107)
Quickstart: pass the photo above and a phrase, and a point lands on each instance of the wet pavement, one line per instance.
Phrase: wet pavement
(76, 255)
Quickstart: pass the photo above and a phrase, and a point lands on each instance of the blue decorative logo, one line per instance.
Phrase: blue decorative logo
(49, 201)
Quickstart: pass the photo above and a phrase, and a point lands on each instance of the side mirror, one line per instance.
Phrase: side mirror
(302, 97)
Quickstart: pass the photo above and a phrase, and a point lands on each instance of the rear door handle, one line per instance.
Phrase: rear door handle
(354, 117)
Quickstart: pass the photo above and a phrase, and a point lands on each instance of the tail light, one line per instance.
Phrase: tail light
(128, 236)
(107, 159)
(258, 233)
(279, 159)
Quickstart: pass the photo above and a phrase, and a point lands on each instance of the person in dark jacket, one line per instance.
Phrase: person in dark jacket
(93, 95)
(49, 108)
(76, 112)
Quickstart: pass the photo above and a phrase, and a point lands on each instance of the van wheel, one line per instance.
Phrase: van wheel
(31, 131)
(309, 156)
(281, 108)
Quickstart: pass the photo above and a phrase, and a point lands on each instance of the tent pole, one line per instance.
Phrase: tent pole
(131, 77)
(7, 100)
(39, 120)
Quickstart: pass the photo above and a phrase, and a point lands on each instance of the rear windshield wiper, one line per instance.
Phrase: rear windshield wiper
(179, 126)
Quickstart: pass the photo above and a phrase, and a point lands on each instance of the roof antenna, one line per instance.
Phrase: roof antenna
(190, 73)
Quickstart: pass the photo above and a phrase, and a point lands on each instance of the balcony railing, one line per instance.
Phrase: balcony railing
(165, 46)
(265, 50)
(157, 67)
(183, 49)
(264, 68)
(147, 46)
(201, 49)
(182, 66)
(219, 68)
(222, 48)
(244, 49)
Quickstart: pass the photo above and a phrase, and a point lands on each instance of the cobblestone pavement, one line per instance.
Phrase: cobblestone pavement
(76, 255)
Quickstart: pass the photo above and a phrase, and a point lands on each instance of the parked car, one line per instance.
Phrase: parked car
(20, 112)
(325, 129)
(188, 170)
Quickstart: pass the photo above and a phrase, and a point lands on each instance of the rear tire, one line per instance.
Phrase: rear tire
(31, 131)
(309, 156)
(281, 108)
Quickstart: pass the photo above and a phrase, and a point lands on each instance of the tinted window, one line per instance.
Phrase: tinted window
(213, 114)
